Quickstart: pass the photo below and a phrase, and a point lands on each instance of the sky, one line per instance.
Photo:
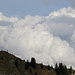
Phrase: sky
(22, 8)
(44, 29)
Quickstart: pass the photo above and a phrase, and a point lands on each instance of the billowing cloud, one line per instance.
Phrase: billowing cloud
(62, 22)
(68, 12)
(41, 37)
(7, 19)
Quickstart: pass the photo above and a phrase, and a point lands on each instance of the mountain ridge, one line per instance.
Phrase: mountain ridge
(12, 65)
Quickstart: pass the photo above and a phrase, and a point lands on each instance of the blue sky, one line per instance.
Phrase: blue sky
(47, 32)
(22, 8)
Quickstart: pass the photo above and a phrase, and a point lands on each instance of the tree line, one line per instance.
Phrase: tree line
(60, 69)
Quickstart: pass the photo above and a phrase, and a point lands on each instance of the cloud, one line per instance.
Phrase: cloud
(42, 37)
(4, 18)
(73, 39)
(69, 12)
(62, 20)
(73, 36)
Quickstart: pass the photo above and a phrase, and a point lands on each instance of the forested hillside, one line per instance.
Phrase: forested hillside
(11, 65)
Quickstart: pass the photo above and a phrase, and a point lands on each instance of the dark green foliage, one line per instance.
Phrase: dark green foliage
(15, 74)
(51, 66)
(73, 72)
(16, 63)
(70, 70)
(27, 64)
(35, 73)
(41, 66)
(56, 66)
(33, 60)
(61, 70)
(30, 70)
(48, 67)
(33, 63)
(1, 58)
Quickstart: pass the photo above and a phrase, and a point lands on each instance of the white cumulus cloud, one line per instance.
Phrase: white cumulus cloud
(4, 18)
(69, 12)
(45, 38)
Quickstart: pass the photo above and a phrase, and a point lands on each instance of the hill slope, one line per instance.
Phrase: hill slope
(11, 65)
